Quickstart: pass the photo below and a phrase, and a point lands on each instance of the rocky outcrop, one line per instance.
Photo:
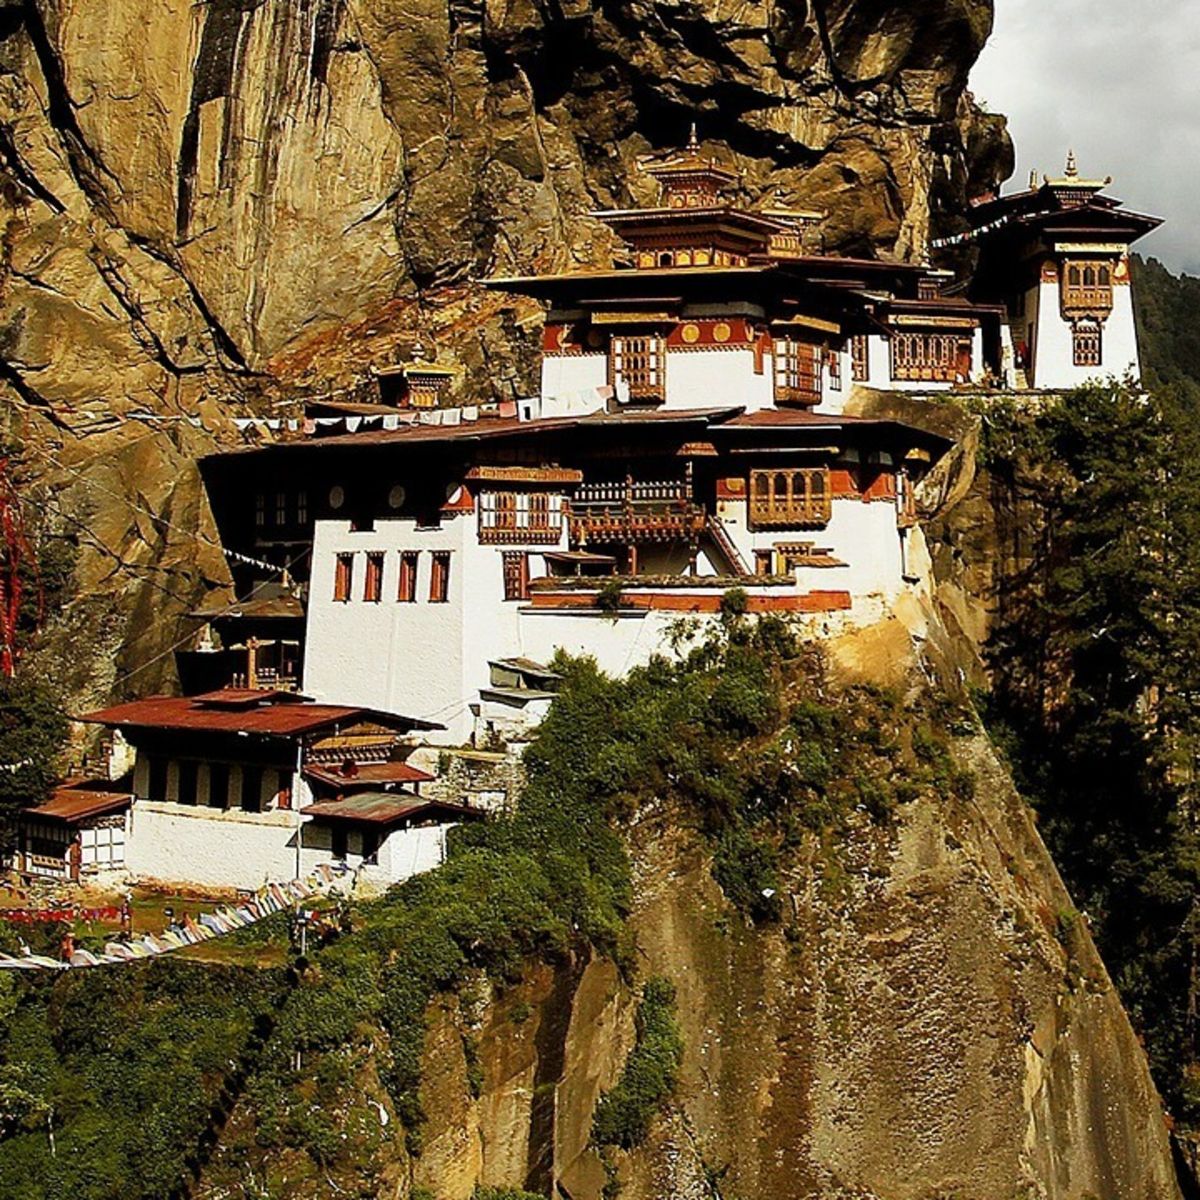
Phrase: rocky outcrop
(213, 206)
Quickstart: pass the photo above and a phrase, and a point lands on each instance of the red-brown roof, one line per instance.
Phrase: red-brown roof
(79, 801)
(368, 775)
(791, 418)
(270, 719)
(384, 808)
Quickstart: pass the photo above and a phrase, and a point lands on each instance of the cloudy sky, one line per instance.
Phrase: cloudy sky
(1117, 80)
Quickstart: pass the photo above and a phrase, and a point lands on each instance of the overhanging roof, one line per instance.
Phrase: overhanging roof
(271, 719)
(79, 801)
(386, 808)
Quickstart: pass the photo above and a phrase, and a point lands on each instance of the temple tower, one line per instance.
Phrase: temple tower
(1057, 256)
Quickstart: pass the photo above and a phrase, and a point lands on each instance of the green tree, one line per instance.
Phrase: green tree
(1099, 673)
(33, 729)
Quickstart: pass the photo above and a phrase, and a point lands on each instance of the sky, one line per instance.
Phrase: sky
(1118, 81)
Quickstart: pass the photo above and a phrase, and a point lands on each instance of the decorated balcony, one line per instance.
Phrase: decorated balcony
(628, 512)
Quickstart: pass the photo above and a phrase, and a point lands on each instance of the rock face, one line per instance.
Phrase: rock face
(930, 1020)
(212, 205)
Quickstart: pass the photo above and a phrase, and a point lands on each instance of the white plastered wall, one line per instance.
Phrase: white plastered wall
(863, 534)
(717, 378)
(568, 374)
(180, 843)
(419, 659)
(1055, 353)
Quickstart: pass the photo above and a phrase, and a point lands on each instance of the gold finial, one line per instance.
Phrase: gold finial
(1033, 180)
(1072, 165)
(693, 141)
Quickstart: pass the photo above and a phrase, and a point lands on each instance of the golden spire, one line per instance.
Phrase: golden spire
(1072, 165)
(693, 141)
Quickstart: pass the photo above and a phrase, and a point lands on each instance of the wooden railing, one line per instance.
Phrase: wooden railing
(635, 511)
(628, 493)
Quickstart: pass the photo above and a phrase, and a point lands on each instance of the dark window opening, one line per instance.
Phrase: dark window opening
(187, 782)
(252, 789)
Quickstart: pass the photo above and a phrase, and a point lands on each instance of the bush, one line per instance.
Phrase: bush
(623, 1115)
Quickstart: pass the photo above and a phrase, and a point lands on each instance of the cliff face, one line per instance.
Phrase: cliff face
(206, 206)
(930, 1019)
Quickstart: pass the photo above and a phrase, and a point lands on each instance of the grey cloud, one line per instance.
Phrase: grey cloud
(1118, 81)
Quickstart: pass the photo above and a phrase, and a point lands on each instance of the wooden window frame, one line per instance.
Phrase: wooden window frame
(921, 357)
(790, 497)
(1087, 285)
(1087, 344)
(302, 507)
(860, 358)
(508, 518)
(505, 510)
(764, 562)
(835, 371)
(796, 371)
(406, 584)
(373, 577)
(439, 577)
(343, 578)
(639, 360)
(281, 508)
(515, 568)
(260, 510)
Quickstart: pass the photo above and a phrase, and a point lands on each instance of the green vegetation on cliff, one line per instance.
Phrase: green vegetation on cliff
(623, 1115)
(1168, 322)
(1097, 665)
(745, 739)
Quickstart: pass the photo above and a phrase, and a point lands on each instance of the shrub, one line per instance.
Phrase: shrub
(623, 1115)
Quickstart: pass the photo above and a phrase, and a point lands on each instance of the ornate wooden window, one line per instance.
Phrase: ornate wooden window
(860, 360)
(406, 589)
(302, 507)
(439, 577)
(373, 582)
(520, 517)
(1087, 286)
(790, 498)
(1087, 343)
(516, 574)
(281, 508)
(639, 362)
(506, 510)
(931, 357)
(343, 577)
(797, 372)
(764, 562)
